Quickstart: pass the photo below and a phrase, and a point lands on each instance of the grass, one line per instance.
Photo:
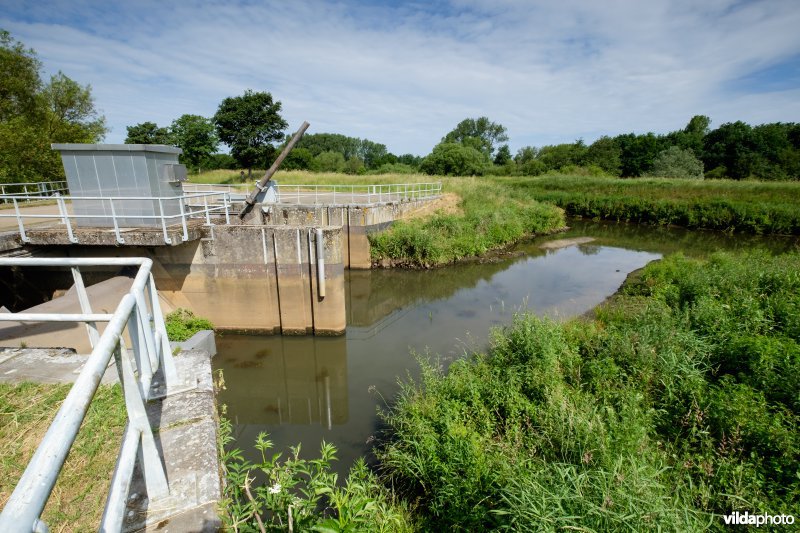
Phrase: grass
(182, 324)
(77, 501)
(741, 206)
(679, 403)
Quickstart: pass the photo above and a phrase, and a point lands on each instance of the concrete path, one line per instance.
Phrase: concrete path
(8, 219)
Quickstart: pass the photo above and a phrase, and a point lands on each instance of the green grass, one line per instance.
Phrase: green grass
(742, 206)
(492, 216)
(182, 324)
(679, 403)
(77, 501)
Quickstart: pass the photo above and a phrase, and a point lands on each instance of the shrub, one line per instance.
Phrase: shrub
(675, 162)
(182, 324)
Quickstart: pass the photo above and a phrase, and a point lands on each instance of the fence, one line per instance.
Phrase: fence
(334, 194)
(139, 310)
(33, 190)
(200, 205)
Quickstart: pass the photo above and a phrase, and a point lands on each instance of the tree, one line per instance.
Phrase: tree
(454, 159)
(329, 162)
(249, 124)
(730, 146)
(503, 155)
(562, 155)
(69, 113)
(637, 152)
(147, 133)
(480, 134)
(604, 153)
(676, 162)
(19, 78)
(195, 135)
(33, 116)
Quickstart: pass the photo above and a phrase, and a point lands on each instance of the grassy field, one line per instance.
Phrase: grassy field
(746, 206)
(678, 404)
(77, 501)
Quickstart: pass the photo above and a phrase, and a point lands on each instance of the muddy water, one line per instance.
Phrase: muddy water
(304, 390)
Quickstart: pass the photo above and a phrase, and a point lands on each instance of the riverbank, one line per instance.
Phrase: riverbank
(676, 405)
(755, 207)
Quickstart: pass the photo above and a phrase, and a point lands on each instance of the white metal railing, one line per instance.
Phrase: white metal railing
(140, 311)
(334, 194)
(188, 206)
(31, 189)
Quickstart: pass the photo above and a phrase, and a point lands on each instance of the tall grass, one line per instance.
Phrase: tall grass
(491, 216)
(678, 404)
(746, 206)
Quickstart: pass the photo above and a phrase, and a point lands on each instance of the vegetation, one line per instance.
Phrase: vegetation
(491, 216)
(677, 404)
(249, 124)
(34, 114)
(303, 495)
(182, 324)
(753, 207)
(26, 411)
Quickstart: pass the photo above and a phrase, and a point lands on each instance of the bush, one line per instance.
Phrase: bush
(453, 159)
(182, 324)
(675, 162)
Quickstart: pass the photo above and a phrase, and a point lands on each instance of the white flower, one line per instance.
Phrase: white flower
(275, 489)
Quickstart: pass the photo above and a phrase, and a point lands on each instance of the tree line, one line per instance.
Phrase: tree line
(34, 113)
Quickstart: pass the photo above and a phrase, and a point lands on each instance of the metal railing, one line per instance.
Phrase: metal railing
(334, 194)
(37, 190)
(140, 311)
(188, 206)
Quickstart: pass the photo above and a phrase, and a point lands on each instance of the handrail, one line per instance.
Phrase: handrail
(140, 311)
(314, 194)
(38, 189)
(197, 205)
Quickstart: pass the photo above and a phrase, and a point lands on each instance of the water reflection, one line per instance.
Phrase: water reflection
(308, 389)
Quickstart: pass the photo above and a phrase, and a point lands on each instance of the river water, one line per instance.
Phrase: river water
(306, 389)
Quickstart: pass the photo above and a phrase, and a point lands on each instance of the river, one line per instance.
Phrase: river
(306, 389)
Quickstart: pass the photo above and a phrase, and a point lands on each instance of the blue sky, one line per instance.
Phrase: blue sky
(405, 73)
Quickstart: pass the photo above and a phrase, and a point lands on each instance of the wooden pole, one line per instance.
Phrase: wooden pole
(251, 200)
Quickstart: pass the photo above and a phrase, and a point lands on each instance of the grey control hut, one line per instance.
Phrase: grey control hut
(135, 175)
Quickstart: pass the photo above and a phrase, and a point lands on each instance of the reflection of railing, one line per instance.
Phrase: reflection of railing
(335, 194)
(37, 190)
(189, 206)
(140, 311)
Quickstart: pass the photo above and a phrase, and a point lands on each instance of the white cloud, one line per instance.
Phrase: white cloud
(405, 75)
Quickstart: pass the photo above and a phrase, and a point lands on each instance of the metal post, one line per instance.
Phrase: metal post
(225, 200)
(163, 222)
(86, 308)
(208, 215)
(19, 222)
(320, 264)
(183, 220)
(165, 359)
(63, 210)
(120, 240)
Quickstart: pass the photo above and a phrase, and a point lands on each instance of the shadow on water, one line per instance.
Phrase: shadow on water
(304, 390)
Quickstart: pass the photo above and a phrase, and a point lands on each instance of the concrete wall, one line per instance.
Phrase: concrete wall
(258, 279)
(356, 221)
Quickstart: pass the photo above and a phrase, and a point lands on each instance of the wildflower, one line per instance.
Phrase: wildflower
(275, 489)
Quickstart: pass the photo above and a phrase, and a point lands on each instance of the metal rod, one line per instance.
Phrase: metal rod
(320, 264)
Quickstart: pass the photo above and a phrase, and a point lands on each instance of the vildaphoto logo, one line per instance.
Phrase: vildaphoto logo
(746, 519)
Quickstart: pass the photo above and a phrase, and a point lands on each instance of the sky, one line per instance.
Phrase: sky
(405, 73)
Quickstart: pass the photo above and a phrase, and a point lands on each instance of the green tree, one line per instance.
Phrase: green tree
(454, 159)
(329, 162)
(147, 133)
(676, 162)
(503, 155)
(298, 159)
(249, 124)
(69, 112)
(730, 146)
(354, 165)
(33, 116)
(479, 133)
(606, 154)
(562, 155)
(19, 78)
(637, 152)
(195, 135)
